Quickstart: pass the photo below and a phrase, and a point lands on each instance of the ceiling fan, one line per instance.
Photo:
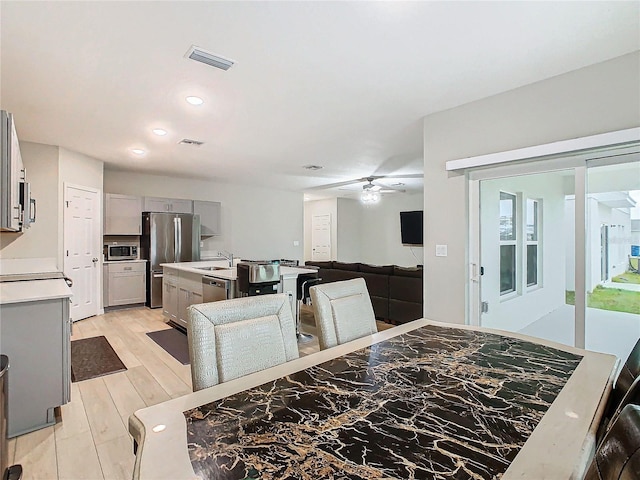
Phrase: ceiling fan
(372, 189)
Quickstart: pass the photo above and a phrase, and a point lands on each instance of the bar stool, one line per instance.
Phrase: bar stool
(302, 296)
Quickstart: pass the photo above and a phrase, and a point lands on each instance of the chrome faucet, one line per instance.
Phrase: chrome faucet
(227, 255)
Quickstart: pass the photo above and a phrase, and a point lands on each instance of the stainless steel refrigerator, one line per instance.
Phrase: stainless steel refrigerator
(167, 238)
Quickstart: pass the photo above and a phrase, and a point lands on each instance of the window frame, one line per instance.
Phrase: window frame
(538, 242)
(508, 294)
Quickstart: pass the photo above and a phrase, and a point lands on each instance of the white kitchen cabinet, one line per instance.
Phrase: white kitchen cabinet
(126, 283)
(172, 205)
(209, 217)
(122, 214)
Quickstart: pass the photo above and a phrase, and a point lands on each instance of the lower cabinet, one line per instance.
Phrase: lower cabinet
(179, 291)
(170, 294)
(126, 283)
(36, 336)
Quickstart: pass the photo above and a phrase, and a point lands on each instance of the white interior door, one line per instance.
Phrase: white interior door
(321, 238)
(81, 249)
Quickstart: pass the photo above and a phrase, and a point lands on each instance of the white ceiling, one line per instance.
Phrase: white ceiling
(338, 84)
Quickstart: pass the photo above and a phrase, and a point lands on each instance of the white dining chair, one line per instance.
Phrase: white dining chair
(232, 338)
(343, 312)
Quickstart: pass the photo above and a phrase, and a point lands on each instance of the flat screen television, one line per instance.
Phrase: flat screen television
(411, 227)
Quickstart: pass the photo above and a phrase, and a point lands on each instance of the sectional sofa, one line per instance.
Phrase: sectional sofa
(396, 292)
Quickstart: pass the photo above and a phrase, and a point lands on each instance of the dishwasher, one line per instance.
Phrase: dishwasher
(216, 289)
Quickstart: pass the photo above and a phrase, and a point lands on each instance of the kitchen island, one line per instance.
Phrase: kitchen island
(424, 399)
(183, 285)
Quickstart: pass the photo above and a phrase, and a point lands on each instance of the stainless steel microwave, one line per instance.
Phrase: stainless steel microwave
(122, 252)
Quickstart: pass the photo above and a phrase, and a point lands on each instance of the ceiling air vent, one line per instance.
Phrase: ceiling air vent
(187, 141)
(313, 167)
(202, 56)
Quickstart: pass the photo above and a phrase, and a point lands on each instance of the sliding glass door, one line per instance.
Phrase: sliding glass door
(612, 280)
(527, 254)
(551, 251)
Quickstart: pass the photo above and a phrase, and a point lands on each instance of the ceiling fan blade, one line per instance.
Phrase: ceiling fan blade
(369, 179)
(407, 175)
(388, 188)
(336, 185)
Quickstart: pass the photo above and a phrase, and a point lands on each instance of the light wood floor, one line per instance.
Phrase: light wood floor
(90, 439)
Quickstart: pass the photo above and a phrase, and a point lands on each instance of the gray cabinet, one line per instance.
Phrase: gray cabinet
(126, 283)
(209, 217)
(170, 294)
(180, 290)
(174, 205)
(122, 214)
(36, 336)
(12, 176)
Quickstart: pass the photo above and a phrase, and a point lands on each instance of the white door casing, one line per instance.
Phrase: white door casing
(321, 237)
(82, 249)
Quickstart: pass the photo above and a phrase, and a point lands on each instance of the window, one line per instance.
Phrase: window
(533, 234)
(508, 237)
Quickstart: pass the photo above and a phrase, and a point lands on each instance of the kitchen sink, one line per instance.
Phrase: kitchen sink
(212, 268)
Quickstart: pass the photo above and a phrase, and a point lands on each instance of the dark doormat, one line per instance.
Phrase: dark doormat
(174, 342)
(93, 357)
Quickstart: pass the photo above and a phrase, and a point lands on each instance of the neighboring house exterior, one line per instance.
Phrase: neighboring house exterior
(609, 237)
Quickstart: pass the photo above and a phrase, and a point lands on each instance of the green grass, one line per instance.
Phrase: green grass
(627, 277)
(609, 299)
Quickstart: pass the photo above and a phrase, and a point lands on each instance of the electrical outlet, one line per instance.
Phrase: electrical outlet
(441, 250)
(296, 243)
(201, 244)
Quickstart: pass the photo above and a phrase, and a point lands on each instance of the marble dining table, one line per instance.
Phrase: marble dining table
(421, 400)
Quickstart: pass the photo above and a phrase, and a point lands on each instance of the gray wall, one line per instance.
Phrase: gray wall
(596, 99)
(257, 223)
(41, 240)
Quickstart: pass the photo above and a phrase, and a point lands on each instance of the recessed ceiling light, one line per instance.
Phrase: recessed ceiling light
(138, 151)
(194, 100)
(159, 131)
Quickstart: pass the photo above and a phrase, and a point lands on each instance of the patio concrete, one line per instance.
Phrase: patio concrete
(606, 331)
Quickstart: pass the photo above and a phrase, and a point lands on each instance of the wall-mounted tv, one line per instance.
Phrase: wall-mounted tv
(411, 227)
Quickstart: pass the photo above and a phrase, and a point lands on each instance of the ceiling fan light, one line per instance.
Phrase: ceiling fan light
(369, 197)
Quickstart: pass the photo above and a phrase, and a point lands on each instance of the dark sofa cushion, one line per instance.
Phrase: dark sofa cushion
(320, 264)
(408, 289)
(377, 285)
(403, 312)
(380, 307)
(351, 267)
(407, 271)
(333, 275)
(382, 270)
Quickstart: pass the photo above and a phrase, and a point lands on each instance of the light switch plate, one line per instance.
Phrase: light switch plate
(296, 243)
(441, 250)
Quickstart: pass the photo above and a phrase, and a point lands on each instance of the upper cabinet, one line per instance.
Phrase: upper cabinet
(173, 205)
(209, 217)
(122, 214)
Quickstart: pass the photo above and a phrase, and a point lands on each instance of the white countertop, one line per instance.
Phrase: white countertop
(33, 290)
(229, 273)
(106, 262)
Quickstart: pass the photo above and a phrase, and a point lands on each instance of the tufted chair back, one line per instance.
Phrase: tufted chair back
(232, 338)
(343, 312)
